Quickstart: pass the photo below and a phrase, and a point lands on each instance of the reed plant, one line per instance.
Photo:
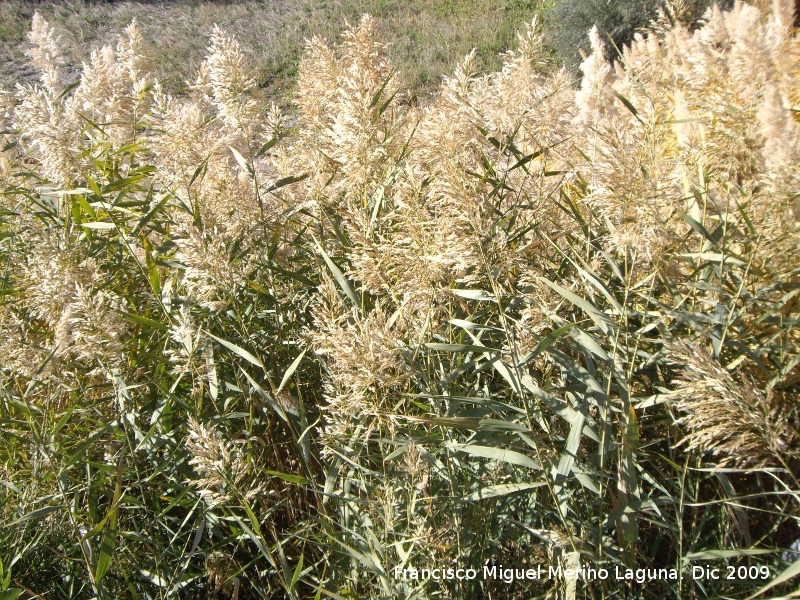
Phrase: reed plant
(247, 355)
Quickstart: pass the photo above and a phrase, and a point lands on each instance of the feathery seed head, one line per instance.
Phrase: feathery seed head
(225, 78)
(221, 466)
(46, 52)
(730, 419)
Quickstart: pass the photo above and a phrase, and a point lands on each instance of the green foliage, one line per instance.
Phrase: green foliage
(616, 21)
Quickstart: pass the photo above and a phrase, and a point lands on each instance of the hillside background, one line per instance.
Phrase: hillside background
(426, 39)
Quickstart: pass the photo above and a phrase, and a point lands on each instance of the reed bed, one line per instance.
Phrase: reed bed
(526, 324)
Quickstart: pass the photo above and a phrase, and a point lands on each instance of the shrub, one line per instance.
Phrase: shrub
(616, 22)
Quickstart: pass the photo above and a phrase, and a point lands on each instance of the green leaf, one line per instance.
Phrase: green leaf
(470, 325)
(507, 456)
(268, 145)
(371, 562)
(85, 445)
(144, 321)
(288, 477)
(601, 319)
(236, 349)
(290, 371)
(93, 185)
(285, 181)
(717, 554)
(628, 105)
(150, 214)
(461, 348)
(480, 295)
(544, 344)
(715, 257)
(698, 227)
(254, 534)
(472, 423)
(269, 399)
(297, 571)
(62, 421)
(124, 184)
(792, 571)
(503, 489)
(629, 503)
(567, 460)
(246, 167)
(37, 514)
(338, 276)
(98, 225)
(377, 95)
(109, 541)
(388, 101)
(199, 171)
(526, 159)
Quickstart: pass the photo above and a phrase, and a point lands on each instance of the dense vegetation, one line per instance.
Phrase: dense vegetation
(617, 22)
(425, 39)
(524, 324)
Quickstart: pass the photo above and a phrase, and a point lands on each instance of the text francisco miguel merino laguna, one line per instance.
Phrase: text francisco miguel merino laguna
(540, 572)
